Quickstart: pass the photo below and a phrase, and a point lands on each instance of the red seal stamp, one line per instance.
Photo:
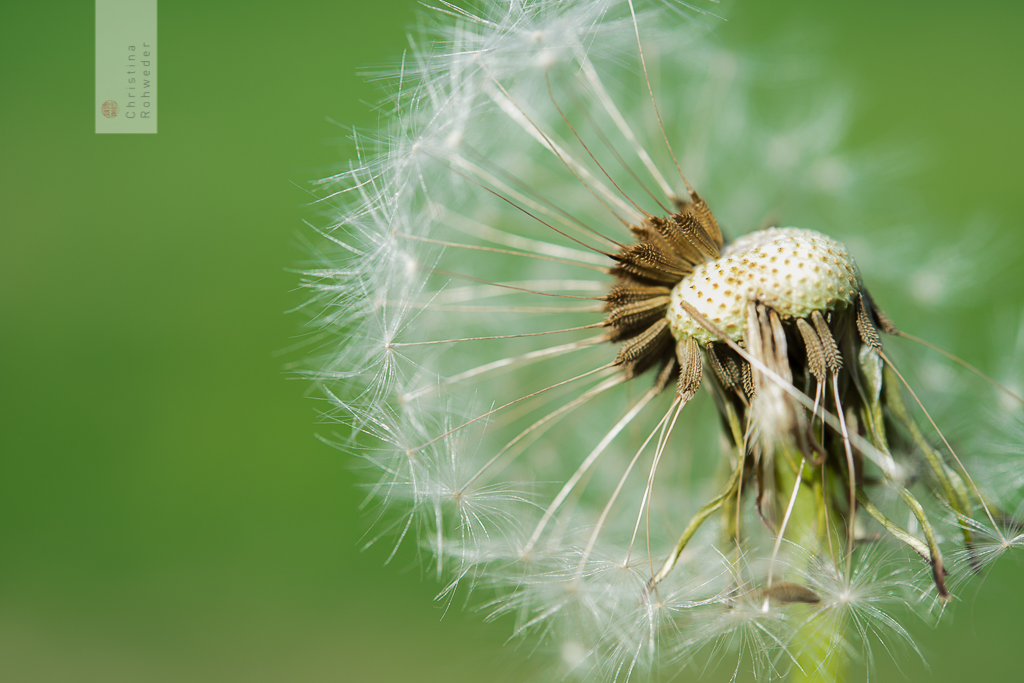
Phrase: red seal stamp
(109, 109)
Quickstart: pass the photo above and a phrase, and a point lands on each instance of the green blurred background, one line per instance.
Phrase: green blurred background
(166, 513)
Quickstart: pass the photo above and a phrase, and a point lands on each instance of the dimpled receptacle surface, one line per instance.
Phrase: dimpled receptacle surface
(790, 270)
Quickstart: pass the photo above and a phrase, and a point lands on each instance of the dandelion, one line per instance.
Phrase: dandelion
(605, 402)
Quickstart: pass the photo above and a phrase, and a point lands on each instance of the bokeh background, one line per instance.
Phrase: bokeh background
(166, 513)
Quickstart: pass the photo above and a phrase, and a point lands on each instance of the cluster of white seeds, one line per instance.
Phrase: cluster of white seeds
(792, 271)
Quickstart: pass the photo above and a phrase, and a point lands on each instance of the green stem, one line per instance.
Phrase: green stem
(814, 651)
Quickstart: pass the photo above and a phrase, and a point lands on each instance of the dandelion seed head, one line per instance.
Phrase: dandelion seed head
(794, 271)
(648, 439)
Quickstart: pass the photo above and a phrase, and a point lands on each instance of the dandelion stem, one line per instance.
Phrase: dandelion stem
(815, 653)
